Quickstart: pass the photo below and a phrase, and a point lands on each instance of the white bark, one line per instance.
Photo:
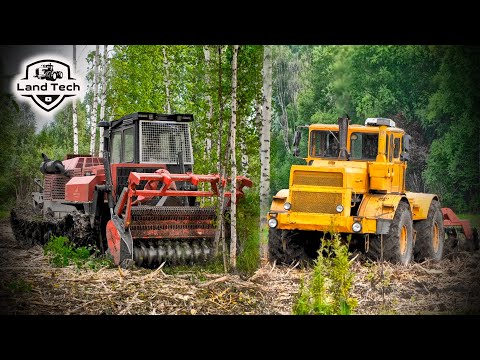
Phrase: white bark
(208, 138)
(233, 133)
(220, 116)
(74, 107)
(219, 234)
(265, 149)
(93, 119)
(103, 95)
(167, 79)
(243, 149)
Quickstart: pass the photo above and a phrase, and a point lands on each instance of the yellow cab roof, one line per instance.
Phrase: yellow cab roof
(354, 128)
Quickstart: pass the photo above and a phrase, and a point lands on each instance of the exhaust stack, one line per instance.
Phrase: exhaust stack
(343, 134)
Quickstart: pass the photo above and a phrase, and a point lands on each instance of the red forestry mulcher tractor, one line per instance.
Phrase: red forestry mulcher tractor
(139, 202)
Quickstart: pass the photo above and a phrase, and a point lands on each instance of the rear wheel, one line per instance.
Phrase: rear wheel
(284, 247)
(430, 234)
(398, 243)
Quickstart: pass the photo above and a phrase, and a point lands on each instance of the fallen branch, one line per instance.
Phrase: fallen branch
(428, 271)
(208, 283)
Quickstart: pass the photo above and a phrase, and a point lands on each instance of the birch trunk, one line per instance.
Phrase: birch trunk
(167, 79)
(233, 132)
(243, 149)
(265, 150)
(74, 107)
(208, 138)
(219, 234)
(103, 96)
(93, 119)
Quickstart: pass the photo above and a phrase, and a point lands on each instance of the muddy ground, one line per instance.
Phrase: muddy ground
(30, 285)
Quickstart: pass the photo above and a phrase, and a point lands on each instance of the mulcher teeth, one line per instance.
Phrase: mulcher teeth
(174, 252)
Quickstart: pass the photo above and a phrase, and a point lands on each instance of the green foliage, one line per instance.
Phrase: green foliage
(17, 149)
(62, 252)
(248, 232)
(328, 292)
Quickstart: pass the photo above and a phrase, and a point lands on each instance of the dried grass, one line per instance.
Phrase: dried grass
(30, 285)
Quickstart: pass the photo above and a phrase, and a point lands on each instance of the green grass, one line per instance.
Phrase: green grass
(4, 214)
(196, 271)
(62, 252)
(474, 219)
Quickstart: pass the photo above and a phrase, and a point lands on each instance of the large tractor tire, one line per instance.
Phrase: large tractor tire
(398, 243)
(284, 247)
(430, 234)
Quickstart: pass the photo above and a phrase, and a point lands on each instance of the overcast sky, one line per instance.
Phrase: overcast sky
(12, 56)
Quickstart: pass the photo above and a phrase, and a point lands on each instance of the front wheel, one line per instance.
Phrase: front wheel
(398, 243)
(285, 247)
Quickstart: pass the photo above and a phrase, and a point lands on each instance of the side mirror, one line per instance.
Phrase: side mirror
(296, 141)
(405, 156)
(103, 124)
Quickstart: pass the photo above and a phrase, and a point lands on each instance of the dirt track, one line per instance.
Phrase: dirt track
(29, 285)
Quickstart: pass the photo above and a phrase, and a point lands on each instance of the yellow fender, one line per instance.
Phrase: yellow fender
(278, 201)
(420, 204)
(380, 207)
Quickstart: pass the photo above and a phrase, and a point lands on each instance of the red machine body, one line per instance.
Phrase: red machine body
(450, 219)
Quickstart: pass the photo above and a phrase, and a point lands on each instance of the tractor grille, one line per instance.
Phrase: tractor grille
(124, 172)
(161, 141)
(54, 187)
(315, 202)
(314, 178)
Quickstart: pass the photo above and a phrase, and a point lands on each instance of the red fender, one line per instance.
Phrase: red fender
(113, 239)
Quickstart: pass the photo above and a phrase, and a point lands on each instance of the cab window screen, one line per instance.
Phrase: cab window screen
(128, 137)
(116, 147)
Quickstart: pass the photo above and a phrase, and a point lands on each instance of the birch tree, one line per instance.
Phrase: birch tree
(74, 107)
(219, 234)
(265, 149)
(208, 138)
(93, 119)
(233, 127)
(103, 95)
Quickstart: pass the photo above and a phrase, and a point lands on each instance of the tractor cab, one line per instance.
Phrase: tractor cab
(145, 142)
(149, 138)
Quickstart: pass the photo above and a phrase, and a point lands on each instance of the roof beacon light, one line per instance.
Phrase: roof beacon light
(379, 121)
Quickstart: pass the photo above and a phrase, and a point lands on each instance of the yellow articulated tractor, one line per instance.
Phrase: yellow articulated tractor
(354, 184)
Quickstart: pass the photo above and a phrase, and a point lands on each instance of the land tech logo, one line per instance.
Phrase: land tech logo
(47, 82)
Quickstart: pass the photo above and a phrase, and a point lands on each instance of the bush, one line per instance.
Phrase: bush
(328, 292)
(62, 253)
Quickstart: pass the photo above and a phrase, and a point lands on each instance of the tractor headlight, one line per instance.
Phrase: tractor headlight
(272, 223)
(287, 206)
(356, 227)
(339, 208)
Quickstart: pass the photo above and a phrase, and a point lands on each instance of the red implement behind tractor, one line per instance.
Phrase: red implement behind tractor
(140, 201)
(459, 232)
